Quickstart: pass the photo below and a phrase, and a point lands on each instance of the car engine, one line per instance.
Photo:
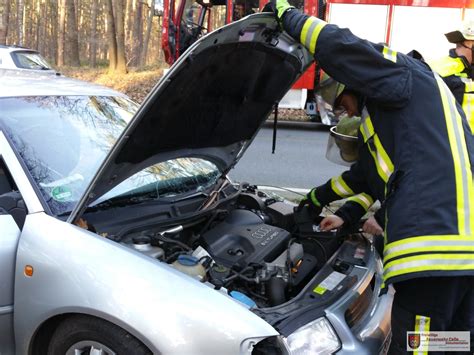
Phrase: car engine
(254, 247)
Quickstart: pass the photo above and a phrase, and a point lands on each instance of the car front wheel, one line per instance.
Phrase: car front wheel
(92, 336)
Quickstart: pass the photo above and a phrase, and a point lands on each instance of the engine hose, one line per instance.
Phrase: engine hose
(236, 274)
(172, 241)
(276, 291)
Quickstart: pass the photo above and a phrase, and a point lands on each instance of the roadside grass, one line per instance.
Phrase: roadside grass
(136, 84)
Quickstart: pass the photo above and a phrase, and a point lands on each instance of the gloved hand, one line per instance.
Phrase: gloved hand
(312, 202)
(281, 7)
(278, 7)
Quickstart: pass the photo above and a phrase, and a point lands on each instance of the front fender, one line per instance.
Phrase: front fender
(79, 271)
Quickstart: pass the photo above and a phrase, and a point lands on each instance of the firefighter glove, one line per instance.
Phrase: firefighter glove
(312, 202)
(281, 7)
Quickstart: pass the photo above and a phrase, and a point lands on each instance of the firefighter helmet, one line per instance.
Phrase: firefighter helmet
(329, 89)
(464, 33)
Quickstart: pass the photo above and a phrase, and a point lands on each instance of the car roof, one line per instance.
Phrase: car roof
(15, 83)
(16, 49)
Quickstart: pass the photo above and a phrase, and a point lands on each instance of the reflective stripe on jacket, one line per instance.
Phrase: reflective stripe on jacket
(458, 71)
(418, 151)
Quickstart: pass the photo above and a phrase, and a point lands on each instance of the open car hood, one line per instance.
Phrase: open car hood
(210, 104)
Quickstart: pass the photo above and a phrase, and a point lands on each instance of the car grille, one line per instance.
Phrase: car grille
(359, 307)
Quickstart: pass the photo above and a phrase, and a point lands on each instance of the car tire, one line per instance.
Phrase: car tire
(89, 335)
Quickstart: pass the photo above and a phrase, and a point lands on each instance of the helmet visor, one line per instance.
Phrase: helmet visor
(342, 149)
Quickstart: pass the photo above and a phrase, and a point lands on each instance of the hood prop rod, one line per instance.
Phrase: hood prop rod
(275, 120)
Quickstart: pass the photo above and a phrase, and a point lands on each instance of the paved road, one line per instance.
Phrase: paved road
(299, 160)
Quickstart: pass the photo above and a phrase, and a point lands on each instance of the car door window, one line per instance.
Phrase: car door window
(11, 201)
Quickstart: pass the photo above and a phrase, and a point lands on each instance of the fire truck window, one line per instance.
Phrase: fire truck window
(193, 24)
(243, 8)
(218, 14)
(191, 12)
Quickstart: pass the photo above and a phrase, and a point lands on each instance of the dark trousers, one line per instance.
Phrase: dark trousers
(447, 301)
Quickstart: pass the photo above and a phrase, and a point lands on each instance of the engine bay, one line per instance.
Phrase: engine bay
(252, 246)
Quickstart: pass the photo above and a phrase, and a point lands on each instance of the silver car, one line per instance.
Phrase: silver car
(121, 234)
(19, 58)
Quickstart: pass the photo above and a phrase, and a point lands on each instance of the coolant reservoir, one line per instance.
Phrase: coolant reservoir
(190, 265)
(143, 245)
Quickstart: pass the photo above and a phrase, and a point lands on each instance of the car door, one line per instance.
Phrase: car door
(9, 235)
(13, 212)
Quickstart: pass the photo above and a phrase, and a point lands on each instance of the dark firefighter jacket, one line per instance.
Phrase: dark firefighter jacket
(419, 143)
(457, 73)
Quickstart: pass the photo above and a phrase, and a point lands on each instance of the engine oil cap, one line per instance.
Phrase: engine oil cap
(187, 260)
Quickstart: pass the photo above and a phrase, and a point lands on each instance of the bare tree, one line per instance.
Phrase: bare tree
(4, 18)
(121, 65)
(146, 41)
(20, 21)
(111, 36)
(52, 30)
(41, 25)
(65, 31)
(72, 34)
(62, 31)
(93, 38)
(137, 34)
(129, 10)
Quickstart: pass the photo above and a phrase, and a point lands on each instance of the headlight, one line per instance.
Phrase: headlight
(316, 337)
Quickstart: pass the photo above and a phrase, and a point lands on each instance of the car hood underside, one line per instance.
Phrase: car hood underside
(210, 104)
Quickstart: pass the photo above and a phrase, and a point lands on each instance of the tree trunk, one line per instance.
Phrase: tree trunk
(20, 28)
(120, 37)
(40, 25)
(111, 36)
(27, 25)
(4, 18)
(93, 40)
(62, 31)
(137, 35)
(146, 41)
(72, 34)
(53, 31)
(128, 23)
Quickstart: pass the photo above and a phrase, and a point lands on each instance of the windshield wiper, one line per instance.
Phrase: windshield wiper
(127, 199)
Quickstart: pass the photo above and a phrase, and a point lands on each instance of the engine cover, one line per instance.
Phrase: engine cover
(242, 238)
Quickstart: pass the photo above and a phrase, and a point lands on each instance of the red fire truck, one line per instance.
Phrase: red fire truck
(401, 24)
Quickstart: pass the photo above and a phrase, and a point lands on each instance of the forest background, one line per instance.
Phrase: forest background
(112, 42)
(116, 43)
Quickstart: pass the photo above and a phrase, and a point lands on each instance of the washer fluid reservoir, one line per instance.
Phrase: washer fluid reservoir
(190, 265)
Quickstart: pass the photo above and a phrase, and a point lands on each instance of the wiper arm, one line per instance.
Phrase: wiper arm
(214, 195)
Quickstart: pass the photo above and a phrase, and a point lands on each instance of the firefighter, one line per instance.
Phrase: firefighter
(456, 68)
(343, 149)
(421, 148)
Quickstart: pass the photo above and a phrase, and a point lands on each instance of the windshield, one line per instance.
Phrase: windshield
(166, 180)
(64, 139)
(30, 60)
